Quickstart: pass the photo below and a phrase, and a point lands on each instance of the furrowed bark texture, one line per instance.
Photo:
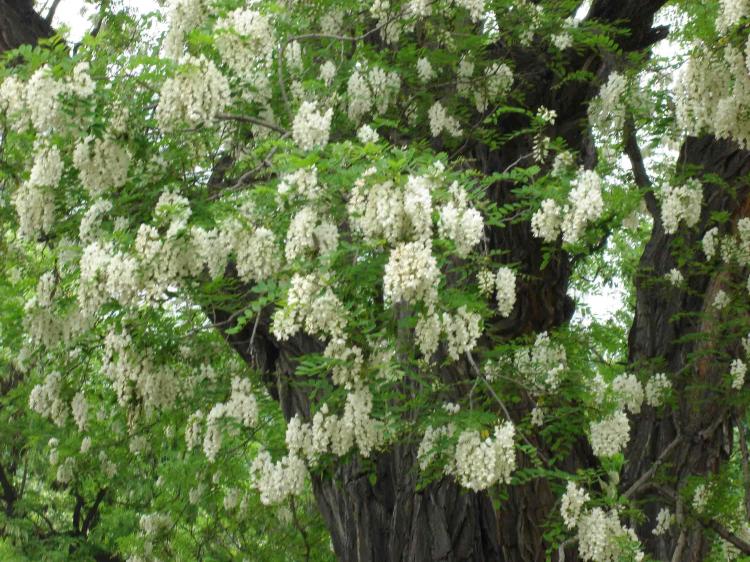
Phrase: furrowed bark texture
(702, 414)
(20, 25)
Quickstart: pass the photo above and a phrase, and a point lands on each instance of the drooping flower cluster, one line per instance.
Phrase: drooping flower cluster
(411, 274)
(310, 305)
(601, 536)
(681, 204)
(311, 128)
(245, 40)
(584, 206)
(610, 435)
(194, 96)
(505, 284)
(572, 503)
(657, 389)
(607, 111)
(102, 164)
(483, 463)
(440, 121)
(460, 223)
(541, 364)
(375, 89)
(629, 392)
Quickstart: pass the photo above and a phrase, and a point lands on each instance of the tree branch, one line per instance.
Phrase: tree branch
(649, 474)
(745, 465)
(93, 512)
(51, 12)
(253, 120)
(708, 523)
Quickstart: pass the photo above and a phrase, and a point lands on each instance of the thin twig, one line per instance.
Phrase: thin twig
(51, 12)
(649, 474)
(253, 120)
(499, 400)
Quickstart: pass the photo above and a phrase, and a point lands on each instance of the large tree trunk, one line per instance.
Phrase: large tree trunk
(702, 416)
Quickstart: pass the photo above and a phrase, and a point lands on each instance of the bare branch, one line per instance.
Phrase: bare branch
(253, 120)
(649, 474)
(51, 12)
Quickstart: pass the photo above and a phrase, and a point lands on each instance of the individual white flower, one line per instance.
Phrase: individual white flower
(311, 128)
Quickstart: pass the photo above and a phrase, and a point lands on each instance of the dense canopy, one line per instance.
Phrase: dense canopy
(322, 279)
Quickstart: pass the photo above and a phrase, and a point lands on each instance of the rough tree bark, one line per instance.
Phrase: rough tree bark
(388, 520)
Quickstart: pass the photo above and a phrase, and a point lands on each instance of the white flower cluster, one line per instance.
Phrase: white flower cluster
(39, 102)
(629, 392)
(277, 481)
(737, 371)
(182, 18)
(411, 274)
(425, 72)
(310, 233)
(257, 255)
(462, 330)
(366, 135)
(674, 277)
(713, 94)
(375, 89)
(310, 305)
(302, 182)
(440, 121)
(245, 40)
(45, 399)
(80, 409)
(602, 538)
(681, 204)
(102, 164)
(194, 96)
(721, 300)
(607, 111)
(486, 282)
(541, 364)
(460, 223)
(88, 231)
(34, 200)
(311, 128)
(709, 242)
(386, 210)
(155, 523)
(505, 284)
(657, 389)
(664, 520)
(610, 435)
(135, 379)
(498, 79)
(572, 504)
(475, 7)
(584, 206)
(480, 463)
(730, 13)
(242, 406)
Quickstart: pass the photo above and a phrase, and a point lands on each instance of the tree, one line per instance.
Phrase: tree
(367, 219)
